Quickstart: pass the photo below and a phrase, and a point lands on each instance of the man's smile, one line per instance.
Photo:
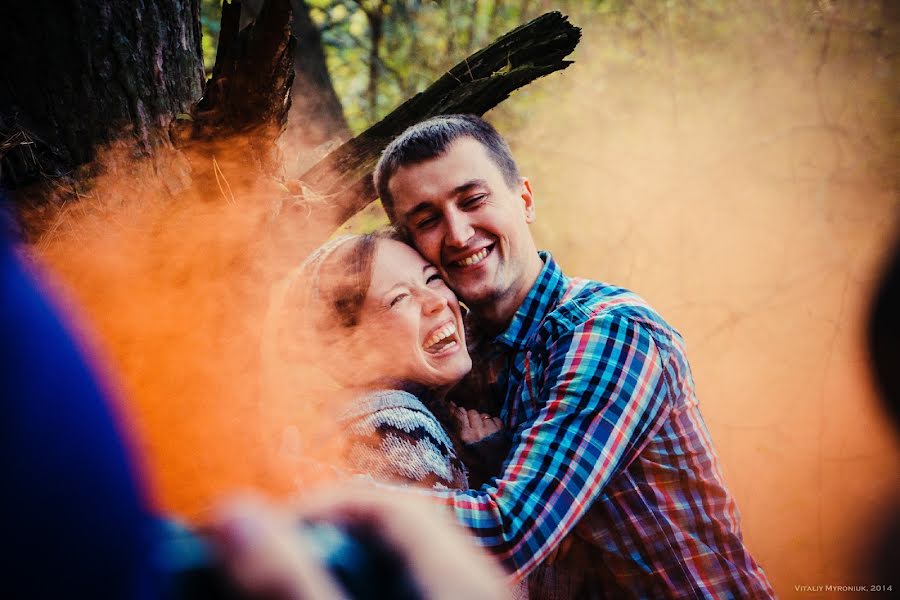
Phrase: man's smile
(472, 258)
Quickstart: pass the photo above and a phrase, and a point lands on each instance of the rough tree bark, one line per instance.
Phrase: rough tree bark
(75, 75)
(247, 99)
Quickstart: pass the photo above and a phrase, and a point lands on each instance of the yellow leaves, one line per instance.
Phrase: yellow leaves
(359, 26)
(338, 13)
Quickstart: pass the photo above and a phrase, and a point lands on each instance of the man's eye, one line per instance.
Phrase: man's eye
(474, 201)
(426, 223)
(398, 298)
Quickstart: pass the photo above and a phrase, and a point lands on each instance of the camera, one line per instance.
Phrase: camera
(361, 563)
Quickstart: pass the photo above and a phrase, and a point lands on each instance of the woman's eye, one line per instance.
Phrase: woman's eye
(398, 298)
(432, 278)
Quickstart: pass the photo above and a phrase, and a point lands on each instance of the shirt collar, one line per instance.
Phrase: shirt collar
(545, 294)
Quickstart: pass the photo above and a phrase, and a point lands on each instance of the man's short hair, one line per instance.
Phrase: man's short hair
(430, 139)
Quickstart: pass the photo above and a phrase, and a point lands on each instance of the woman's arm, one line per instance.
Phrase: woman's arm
(404, 444)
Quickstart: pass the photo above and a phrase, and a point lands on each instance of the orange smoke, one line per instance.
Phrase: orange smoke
(176, 289)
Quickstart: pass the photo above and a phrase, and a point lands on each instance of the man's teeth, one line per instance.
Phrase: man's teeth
(474, 259)
(440, 335)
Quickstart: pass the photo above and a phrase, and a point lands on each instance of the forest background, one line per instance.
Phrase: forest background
(734, 162)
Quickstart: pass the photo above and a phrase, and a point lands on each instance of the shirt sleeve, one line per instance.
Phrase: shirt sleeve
(600, 396)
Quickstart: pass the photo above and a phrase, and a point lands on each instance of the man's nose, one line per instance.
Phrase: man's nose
(459, 230)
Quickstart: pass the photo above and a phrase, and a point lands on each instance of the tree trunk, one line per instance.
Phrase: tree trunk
(246, 102)
(128, 69)
(316, 116)
(473, 26)
(375, 17)
(76, 75)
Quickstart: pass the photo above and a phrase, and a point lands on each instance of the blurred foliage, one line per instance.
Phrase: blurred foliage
(418, 41)
(381, 52)
(210, 21)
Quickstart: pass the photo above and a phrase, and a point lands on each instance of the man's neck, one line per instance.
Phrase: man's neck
(494, 316)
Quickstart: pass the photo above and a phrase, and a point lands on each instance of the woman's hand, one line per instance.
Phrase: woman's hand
(474, 426)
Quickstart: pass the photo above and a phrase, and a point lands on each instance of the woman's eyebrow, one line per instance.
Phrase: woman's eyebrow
(394, 288)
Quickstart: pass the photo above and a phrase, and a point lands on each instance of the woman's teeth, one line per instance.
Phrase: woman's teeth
(441, 338)
(474, 259)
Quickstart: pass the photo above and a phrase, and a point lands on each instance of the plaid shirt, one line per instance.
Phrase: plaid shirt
(608, 442)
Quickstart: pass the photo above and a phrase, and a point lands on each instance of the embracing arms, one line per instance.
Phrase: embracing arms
(599, 396)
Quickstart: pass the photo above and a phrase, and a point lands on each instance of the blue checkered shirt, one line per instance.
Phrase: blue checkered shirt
(609, 446)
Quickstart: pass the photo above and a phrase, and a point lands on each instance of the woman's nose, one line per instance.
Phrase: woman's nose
(432, 302)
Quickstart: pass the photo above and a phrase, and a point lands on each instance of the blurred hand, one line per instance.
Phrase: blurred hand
(259, 547)
(441, 556)
(474, 426)
(257, 544)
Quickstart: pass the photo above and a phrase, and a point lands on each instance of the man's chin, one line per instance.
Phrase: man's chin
(474, 296)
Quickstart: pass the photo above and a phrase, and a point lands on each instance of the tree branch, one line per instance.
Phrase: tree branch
(480, 82)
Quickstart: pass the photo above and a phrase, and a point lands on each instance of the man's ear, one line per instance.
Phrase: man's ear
(528, 198)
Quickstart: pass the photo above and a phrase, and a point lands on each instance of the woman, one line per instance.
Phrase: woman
(379, 320)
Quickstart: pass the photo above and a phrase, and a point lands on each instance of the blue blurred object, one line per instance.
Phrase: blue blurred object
(358, 560)
(75, 524)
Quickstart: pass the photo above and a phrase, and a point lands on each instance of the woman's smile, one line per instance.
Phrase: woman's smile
(442, 340)
(412, 326)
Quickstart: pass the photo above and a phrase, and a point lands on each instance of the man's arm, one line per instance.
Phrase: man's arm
(601, 396)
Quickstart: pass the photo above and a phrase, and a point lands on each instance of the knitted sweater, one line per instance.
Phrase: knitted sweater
(394, 437)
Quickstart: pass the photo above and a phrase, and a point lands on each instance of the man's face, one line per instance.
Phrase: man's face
(464, 218)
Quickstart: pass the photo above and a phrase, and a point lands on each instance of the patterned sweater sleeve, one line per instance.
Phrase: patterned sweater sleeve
(394, 437)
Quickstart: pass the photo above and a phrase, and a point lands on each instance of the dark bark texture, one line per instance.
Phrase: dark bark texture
(249, 92)
(342, 181)
(75, 75)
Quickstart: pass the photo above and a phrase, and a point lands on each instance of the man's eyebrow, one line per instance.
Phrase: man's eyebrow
(472, 183)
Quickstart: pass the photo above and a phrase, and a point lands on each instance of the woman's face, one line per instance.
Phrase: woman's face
(411, 327)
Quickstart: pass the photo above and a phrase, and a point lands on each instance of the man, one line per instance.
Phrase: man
(594, 386)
